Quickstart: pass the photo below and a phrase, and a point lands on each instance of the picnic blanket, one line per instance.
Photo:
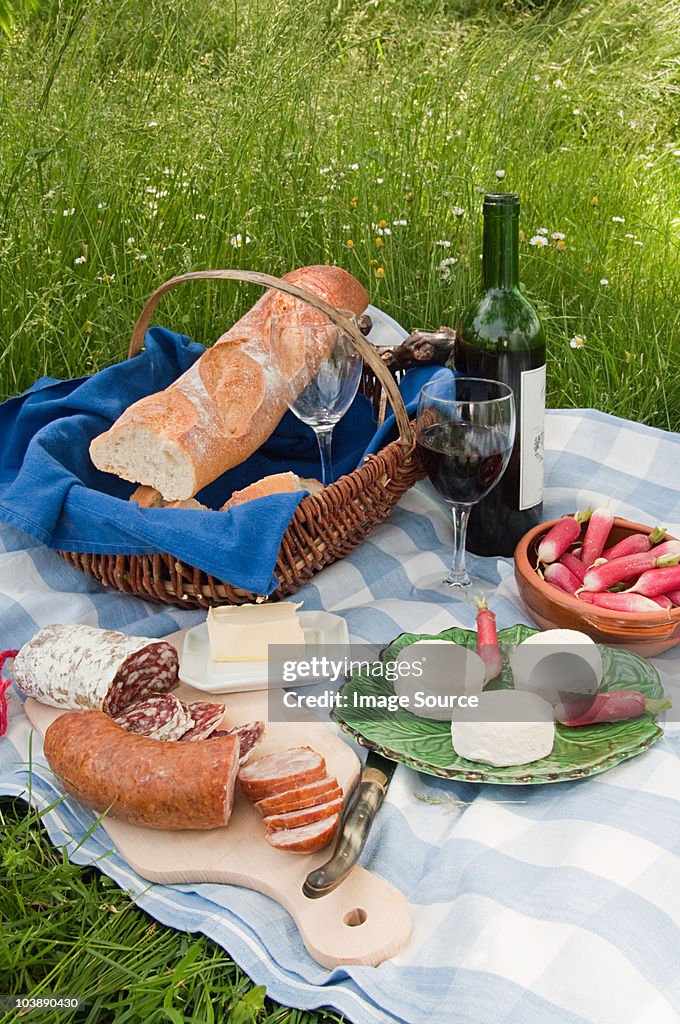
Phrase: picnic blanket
(556, 903)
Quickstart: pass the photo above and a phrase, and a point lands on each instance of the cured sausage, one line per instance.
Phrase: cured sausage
(76, 666)
(304, 796)
(168, 786)
(204, 719)
(292, 819)
(276, 773)
(249, 736)
(160, 717)
(306, 838)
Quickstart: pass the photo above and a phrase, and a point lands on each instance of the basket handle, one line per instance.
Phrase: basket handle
(365, 349)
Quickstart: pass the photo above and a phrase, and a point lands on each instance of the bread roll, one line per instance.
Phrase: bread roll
(227, 404)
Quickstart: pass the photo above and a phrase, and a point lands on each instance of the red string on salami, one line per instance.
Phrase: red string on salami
(4, 683)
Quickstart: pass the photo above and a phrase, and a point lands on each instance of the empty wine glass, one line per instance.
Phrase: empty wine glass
(328, 374)
(465, 432)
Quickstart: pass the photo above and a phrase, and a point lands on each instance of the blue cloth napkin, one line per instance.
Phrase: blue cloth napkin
(50, 489)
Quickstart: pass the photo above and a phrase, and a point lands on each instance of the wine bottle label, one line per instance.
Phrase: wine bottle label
(532, 437)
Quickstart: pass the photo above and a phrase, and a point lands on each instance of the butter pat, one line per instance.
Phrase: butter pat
(244, 632)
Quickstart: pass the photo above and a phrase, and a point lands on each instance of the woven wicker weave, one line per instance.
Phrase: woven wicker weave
(325, 527)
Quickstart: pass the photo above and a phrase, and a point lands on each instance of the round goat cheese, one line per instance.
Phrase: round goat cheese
(557, 664)
(508, 727)
(429, 673)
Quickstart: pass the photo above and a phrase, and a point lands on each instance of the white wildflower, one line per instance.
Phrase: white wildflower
(558, 236)
(500, 174)
(80, 259)
(354, 167)
(604, 281)
(152, 124)
(162, 194)
(457, 211)
(541, 231)
(199, 216)
(629, 235)
(69, 213)
(325, 170)
(238, 240)
(444, 243)
(558, 83)
(538, 240)
(101, 206)
(576, 111)
(577, 342)
(130, 241)
(379, 181)
(619, 220)
(49, 195)
(399, 223)
(140, 257)
(151, 189)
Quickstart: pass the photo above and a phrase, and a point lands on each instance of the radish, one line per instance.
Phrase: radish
(599, 528)
(623, 602)
(574, 565)
(669, 547)
(561, 536)
(558, 574)
(663, 601)
(674, 596)
(657, 581)
(487, 640)
(613, 706)
(576, 552)
(4, 683)
(603, 576)
(634, 543)
(585, 596)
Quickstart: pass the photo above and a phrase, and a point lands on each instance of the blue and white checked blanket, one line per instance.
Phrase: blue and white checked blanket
(554, 903)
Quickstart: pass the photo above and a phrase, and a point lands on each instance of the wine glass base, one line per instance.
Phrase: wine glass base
(457, 581)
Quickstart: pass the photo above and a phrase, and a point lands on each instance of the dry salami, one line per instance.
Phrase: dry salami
(205, 719)
(303, 796)
(275, 773)
(293, 819)
(249, 736)
(306, 838)
(169, 786)
(160, 717)
(76, 666)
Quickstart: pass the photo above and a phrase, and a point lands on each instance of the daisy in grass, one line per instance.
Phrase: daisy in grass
(237, 241)
(539, 241)
(577, 341)
(445, 267)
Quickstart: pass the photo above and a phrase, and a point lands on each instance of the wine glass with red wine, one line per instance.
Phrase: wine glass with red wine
(465, 432)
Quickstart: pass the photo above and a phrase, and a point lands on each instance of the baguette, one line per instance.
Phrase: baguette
(227, 404)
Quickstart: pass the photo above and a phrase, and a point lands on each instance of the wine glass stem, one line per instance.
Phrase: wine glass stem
(458, 576)
(324, 436)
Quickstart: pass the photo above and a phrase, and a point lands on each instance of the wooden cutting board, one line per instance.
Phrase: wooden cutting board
(364, 921)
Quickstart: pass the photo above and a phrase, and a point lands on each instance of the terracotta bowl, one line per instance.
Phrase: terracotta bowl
(645, 633)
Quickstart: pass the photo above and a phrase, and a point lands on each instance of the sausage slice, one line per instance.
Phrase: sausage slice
(276, 773)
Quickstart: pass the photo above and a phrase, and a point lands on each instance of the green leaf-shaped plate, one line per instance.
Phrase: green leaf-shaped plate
(426, 745)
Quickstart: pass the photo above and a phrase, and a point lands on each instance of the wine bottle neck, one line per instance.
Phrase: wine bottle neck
(500, 254)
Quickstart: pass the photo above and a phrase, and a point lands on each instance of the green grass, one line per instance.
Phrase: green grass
(169, 127)
(70, 931)
(231, 111)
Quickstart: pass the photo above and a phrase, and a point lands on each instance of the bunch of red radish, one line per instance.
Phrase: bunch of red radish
(611, 706)
(639, 574)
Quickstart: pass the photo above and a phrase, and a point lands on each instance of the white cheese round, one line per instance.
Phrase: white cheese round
(437, 671)
(508, 727)
(556, 664)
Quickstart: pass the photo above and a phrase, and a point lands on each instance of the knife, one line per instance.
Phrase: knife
(362, 808)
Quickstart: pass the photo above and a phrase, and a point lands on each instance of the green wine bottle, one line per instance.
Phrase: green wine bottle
(500, 337)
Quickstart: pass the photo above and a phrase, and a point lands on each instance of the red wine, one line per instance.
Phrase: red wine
(463, 462)
(500, 337)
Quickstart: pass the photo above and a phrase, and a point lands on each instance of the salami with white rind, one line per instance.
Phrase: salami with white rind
(305, 839)
(160, 717)
(275, 773)
(204, 720)
(293, 819)
(249, 736)
(303, 796)
(170, 786)
(81, 667)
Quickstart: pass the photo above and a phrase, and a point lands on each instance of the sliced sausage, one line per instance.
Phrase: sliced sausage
(275, 773)
(160, 717)
(292, 819)
(249, 736)
(76, 666)
(169, 785)
(304, 796)
(204, 720)
(306, 838)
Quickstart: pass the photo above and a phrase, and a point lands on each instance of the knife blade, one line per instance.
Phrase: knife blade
(361, 810)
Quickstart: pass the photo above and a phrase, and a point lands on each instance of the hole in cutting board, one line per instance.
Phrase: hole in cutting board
(353, 918)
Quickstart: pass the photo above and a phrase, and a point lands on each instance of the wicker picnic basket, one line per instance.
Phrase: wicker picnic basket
(325, 526)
